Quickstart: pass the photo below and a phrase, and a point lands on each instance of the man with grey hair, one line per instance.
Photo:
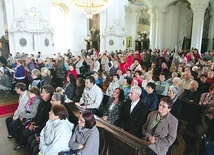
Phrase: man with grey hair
(191, 95)
(134, 113)
(186, 78)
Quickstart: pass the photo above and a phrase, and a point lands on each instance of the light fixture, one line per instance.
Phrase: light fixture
(90, 7)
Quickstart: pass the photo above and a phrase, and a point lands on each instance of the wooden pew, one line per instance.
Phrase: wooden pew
(103, 105)
(194, 114)
(114, 140)
(179, 145)
(119, 142)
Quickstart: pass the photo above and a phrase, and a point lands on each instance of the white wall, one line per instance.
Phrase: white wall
(114, 26)
(2, 9)
(177, 25)
(29, 20)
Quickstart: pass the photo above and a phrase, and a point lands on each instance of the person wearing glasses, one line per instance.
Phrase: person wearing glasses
(160, 129)
(86, 135)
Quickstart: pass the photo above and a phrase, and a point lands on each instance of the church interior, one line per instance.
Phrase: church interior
(54, 27)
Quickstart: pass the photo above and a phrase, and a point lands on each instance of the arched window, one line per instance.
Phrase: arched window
(59, 22)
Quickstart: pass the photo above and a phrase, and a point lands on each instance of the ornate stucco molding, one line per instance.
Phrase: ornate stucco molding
(32, 22)
(116, 29)
(199, 6)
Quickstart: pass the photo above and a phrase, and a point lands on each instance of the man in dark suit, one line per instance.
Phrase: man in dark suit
(134, 113)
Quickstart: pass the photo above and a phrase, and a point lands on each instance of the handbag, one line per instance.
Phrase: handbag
(71, 152)
(25, 121)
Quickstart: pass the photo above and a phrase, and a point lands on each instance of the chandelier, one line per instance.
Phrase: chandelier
(90, 7)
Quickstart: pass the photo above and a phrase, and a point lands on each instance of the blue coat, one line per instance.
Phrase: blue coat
(150, 99)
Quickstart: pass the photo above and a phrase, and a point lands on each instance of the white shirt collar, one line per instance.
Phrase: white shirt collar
(133, 104)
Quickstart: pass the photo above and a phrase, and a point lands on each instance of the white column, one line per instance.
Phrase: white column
(103, 24)
(211, 27)
(198, 8)
(152, 28)
(115, 26)
(2, 26)
(131, 20)
(78, 20)
(159, 28)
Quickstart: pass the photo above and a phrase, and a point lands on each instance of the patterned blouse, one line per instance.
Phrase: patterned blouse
(113, 111)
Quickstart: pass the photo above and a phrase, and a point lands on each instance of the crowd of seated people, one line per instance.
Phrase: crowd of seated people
(132, 95)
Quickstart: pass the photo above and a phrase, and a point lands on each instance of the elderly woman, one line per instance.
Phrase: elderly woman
(59, 99)
(112, 112)
(160, 129)
(56, 134)
(207, 99)
(177, 83)
(86, 135)
(173, 94)
(173, 75)
(45, 77)
(35, 73)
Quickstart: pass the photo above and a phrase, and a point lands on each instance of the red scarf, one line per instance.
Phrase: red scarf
(30, 102)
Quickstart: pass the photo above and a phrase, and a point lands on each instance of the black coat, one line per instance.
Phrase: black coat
(46, 80)
(78, 93)
(42, 115)
(70, 90)
(133, 122)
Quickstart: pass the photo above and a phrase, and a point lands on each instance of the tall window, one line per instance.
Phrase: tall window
(58, 22)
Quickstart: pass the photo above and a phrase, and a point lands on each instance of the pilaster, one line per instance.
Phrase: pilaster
(211, 27)
(113, 32)
(152, 28)
(159, 28)
(2, 13)
(198, 8)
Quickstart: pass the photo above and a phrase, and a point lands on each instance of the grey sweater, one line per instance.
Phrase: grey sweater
(87, 137)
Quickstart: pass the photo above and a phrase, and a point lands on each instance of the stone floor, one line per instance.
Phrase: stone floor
(7, 145)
